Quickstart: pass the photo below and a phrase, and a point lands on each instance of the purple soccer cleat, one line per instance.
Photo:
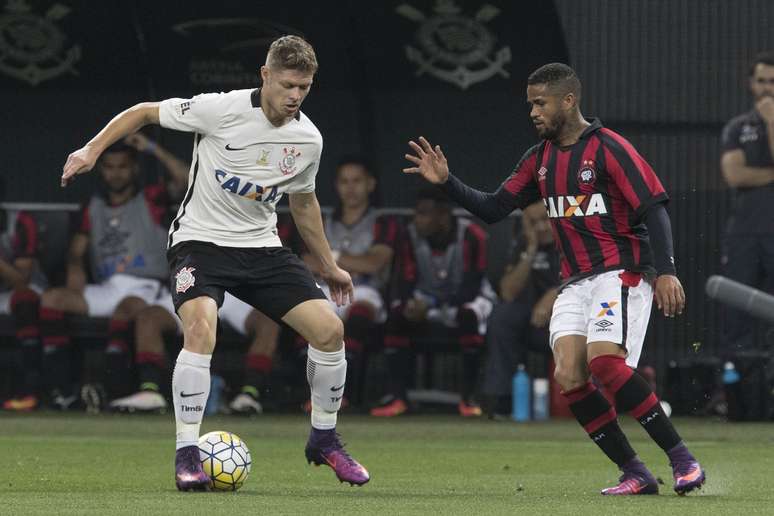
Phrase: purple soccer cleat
(636, 480)
(324, 447)
(189, 475)
(688, 476)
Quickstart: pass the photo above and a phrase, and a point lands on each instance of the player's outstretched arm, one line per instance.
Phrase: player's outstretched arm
(124, 124)
(431, 164)
(306, 213)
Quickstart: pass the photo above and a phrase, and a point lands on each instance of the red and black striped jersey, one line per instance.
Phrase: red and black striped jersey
(596, 192)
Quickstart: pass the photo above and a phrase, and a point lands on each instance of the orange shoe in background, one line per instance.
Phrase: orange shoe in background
(396, 407)
(23, 404)
(469, 409)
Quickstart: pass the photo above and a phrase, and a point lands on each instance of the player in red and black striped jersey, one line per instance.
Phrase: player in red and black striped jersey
(21, 282)
(606, 207)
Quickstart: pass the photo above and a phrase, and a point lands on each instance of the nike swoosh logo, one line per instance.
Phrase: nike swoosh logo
(229, 147)
(334, 389)
(184, 395)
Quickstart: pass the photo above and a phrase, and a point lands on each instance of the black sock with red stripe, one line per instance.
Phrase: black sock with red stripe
(472, 345)
(56, 366)
(25, 305)
(151, 367)
(599, 419)
(257, 370)
(117, 376)
(634, 395)
(359, 326)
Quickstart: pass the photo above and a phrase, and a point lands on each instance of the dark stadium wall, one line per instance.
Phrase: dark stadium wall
(668, 75)
(454, 71)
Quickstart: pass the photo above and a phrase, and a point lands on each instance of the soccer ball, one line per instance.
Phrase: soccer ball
(226, 459)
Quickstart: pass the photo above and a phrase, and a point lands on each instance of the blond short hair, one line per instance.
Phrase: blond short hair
(292, 53)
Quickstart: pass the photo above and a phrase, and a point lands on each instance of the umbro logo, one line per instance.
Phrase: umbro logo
(604, 323)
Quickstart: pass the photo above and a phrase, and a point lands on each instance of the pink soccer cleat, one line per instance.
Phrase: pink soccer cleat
(325, 447)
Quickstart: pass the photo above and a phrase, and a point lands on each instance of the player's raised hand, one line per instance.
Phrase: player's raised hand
(340, 285)
(78, 162)
(670, 297)
(139, 141)
(429, 161)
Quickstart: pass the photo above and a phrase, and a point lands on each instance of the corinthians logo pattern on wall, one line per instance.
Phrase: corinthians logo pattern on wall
(456, 48)
(32, 47)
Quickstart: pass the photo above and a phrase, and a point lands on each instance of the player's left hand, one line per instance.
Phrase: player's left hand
(669, 294)
(340, 285)
(78, 162)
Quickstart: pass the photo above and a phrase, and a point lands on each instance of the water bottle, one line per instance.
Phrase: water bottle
(731, 388)
(540, 399)
(213, 401)
(730, 374)
(521, 395)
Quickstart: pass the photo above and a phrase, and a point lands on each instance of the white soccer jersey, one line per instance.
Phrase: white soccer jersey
(241, 167)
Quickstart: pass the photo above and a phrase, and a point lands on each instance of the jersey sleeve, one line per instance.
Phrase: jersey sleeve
(633, 176)
(386, 231)
(83, 221)
(729, 138)
(25, 237)
(520, 189)
(200, 114)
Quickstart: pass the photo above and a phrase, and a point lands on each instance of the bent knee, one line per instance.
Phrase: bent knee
(329, 334)
(570, 378)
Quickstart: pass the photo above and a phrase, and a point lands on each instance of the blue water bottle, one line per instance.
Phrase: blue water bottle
(521, 395)
(731, 387)
(540, 399)
(213, 401)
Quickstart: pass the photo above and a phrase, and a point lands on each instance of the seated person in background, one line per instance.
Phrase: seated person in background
(21, 282)
(443, 291)
(153, 322)
(362, 242)
(122, 228)
(519, 324)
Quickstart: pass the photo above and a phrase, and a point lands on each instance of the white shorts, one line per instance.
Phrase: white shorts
(233, 311)
(363, 293)
(604, 309)
(103, 298)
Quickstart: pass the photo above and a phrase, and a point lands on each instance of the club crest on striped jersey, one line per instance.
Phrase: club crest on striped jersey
(587, 174)
(288, 162)
(184, 279)
(563, 206)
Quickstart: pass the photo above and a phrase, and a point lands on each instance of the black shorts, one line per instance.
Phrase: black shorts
(270, 279)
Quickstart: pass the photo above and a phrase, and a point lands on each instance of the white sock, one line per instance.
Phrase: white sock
(190, 390)
(326, 373)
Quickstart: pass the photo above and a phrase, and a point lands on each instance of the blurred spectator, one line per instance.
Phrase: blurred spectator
(362, 242)
(122, 233)
(519, 324)
(747, 164)
(443, 293)
(21, 282)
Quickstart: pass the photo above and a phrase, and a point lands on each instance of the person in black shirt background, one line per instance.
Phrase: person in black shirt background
(528, 289)
(747, 163)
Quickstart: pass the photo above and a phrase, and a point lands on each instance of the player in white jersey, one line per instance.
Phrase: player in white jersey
(250, 148)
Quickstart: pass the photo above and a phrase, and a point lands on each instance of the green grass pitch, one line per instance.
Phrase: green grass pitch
(429, 465)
